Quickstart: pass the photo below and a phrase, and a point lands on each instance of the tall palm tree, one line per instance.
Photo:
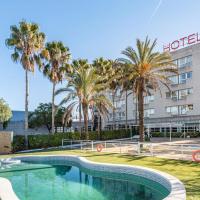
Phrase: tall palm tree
(103, 68)
(148, 70)
(55, 65)
(126, 89)
(76, 65)
(109, 71)
(27, 41)
(84, 88)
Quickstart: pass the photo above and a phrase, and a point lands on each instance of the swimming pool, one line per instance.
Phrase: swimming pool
(62, 178)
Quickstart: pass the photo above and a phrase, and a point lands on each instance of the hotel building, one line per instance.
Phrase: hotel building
(178, 108)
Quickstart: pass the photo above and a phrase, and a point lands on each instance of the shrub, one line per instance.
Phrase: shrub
(193, 134)
(18, 143)
(157, 134)
(44, 141)
(175, 134)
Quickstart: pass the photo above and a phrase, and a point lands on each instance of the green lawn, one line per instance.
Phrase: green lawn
(188, 172)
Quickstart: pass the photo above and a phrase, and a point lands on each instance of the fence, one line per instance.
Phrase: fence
(166, 150)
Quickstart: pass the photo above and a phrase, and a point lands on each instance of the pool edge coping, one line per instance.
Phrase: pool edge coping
(177, 191)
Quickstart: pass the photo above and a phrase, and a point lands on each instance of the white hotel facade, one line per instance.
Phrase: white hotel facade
(177, 108)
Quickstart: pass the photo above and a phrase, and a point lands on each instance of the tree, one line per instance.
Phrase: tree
(108, 71)
(84, 88)
(55, 56)
(103, 69)
(148, 70)
(126, 88)
(5, 112)
(27, 41)
(42, 117)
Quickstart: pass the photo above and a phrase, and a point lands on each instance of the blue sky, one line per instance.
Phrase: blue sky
(90, 28)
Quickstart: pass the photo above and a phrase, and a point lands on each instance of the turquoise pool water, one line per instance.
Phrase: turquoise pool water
(57, 182)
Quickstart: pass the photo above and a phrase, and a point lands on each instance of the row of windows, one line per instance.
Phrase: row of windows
(179, 110)
(174, 110)
(179, 94)
(181, 78)
(184, 62)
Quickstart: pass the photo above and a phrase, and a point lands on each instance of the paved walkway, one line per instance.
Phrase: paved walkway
(180, 149)
(175, 140)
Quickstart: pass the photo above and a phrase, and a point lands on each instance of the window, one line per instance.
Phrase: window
(120, 115)
(184, 93)
(181, 109)
(179, 94)
(119, 104)
(172, 110)
(184, 76)
(168, 95)
(174, 95)
(181, 78)
(185, 108)
(123, 114)
(185, 61)
(174, 79)
(189, 75)
(148, 99)
(149, 112)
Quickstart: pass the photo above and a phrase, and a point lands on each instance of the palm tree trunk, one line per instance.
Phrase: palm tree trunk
(136, 110)
(126, 125)
(113, 101)
(80, 117)
(141, 112)
(85, 113)
(99, 125)
(92, 114)
(26, 107)
(53, 110)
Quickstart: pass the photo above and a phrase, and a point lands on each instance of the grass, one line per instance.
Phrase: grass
(188, 172)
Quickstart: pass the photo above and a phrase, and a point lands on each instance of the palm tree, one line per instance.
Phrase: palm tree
(76, 65)
(109, 71)
(55, 56)
(84, 88)
(148, 70)
(103, 68)
(27, 41)
(126, 88)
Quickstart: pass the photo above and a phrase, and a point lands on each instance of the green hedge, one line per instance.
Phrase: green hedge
(175, 134)
(44, 141)
(18, 143)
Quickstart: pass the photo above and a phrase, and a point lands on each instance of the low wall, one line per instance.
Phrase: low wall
(6, 138)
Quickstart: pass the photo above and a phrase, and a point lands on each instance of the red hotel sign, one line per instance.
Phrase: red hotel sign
(182, 42)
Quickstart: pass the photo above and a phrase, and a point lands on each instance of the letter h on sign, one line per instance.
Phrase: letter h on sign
(167, 47)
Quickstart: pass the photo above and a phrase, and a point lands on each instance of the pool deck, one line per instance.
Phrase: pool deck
(6, 190)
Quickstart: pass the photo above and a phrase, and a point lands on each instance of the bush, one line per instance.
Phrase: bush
(18, 143)
(175, 134)
(193, 134)
(44, 141)
(157, 134)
